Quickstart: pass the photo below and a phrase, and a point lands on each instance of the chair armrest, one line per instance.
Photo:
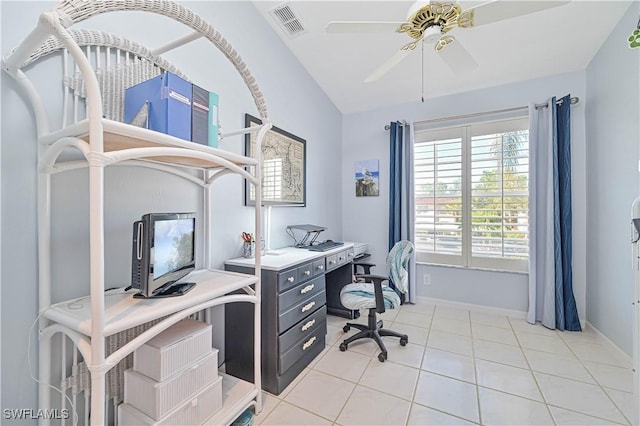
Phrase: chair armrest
(377, 281)
(370, 278)
(366, 267)
(364, 263)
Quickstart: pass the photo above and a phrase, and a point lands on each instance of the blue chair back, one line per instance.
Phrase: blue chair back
(397, 261)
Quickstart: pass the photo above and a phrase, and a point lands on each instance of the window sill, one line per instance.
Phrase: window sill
(472, 268)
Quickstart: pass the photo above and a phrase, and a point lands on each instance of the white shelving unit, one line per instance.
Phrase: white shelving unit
(102, 142)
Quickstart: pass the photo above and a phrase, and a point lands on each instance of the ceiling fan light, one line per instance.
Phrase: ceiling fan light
(432, 34)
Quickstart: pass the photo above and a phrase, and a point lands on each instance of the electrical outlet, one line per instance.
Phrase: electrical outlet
(426, 279)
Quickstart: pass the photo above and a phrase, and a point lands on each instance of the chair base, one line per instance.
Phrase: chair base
(373, 330)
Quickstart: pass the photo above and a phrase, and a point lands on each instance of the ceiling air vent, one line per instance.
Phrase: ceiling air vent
(285, 16)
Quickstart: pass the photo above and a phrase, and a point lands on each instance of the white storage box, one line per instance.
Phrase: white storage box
(156, 399)
(173, 349)
(192, 412)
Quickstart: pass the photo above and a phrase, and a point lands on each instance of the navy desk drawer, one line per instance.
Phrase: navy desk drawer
(332, 262)
(309, 343)
(287, 279)
(305, 272)
(300, 292)
(350, 254)
(319, 267)
(342, 258)
(302, 329)
(301, 310)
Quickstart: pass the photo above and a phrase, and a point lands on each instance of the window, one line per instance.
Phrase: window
(272, 179)
(472, 196)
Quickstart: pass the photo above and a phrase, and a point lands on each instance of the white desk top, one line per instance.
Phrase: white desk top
(287, 257)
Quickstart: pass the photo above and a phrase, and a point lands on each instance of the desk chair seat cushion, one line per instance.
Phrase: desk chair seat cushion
(362, 296)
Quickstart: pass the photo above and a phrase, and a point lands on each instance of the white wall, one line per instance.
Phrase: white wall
(613, 140)
(295, 103)
(366, 218)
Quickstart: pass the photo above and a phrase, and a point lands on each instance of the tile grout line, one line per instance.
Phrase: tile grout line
(419, 369)
(475, 370)
(602, 388)
(535, 379)
(581, 363)
(346, 401)
(424, 351)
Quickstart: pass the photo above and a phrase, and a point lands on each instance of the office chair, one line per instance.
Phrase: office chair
(373, 295)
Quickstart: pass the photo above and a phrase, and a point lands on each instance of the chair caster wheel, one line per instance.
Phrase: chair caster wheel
(343, 347)
(404, 341)
(346, 328)
(382, 357)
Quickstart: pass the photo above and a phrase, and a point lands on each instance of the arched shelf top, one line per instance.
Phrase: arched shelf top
(74, 11)
(88, 37)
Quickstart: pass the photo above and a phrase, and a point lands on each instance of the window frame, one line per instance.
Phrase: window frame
(466, 132)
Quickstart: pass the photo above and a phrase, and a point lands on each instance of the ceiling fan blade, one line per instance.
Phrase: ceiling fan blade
(388, 65)
(362, 27)
(455, 55)
(500, 10)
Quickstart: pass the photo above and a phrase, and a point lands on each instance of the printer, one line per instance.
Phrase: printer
(359, 250)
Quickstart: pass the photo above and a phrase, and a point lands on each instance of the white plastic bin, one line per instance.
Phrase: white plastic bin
(156, 399)
(192, 412)
(172, 350)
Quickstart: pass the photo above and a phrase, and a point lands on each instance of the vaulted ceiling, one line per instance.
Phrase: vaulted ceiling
(553, 41)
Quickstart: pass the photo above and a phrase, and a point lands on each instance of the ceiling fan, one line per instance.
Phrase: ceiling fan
(430, 22)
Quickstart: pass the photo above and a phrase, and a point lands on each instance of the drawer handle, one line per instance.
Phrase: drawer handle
(308, 343)
(290, 279)
(321, 268)
(307, 272)
(331, 262)
(308, 306)
(307, 289)
(350, 255)
(308, 325)
(341, 258)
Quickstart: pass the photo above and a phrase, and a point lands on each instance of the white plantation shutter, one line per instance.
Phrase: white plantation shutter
(438, 186)
(272, 179)
(472, 206)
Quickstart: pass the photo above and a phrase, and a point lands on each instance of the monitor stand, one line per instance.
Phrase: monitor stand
(311, 234)
(172, 290)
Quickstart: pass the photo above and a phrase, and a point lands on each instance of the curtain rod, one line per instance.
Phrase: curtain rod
(574, 100)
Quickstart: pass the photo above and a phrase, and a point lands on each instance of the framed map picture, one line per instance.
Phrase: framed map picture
(284, 158)
(367, 178)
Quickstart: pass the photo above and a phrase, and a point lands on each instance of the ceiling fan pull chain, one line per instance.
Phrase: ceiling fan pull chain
(422, 71)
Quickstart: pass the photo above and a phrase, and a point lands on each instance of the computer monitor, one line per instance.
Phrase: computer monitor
(163, 252)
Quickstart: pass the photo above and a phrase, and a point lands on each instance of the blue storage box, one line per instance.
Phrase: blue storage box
(169, 98)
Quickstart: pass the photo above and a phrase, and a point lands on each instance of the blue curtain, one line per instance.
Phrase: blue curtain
(395, 182)
(551, 298)
(566, 311)
(401, 194)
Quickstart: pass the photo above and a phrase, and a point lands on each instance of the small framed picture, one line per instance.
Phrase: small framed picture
(367, 178)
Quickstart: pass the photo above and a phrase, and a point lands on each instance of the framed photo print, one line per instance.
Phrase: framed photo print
(367, 178)
(284, 159)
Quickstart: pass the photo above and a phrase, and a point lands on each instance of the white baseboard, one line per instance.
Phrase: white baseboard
(613, 345)
(473, 307)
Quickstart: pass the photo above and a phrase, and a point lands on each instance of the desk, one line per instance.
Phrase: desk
(299, 287)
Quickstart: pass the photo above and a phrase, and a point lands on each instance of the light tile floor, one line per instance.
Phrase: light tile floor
(460, 367)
